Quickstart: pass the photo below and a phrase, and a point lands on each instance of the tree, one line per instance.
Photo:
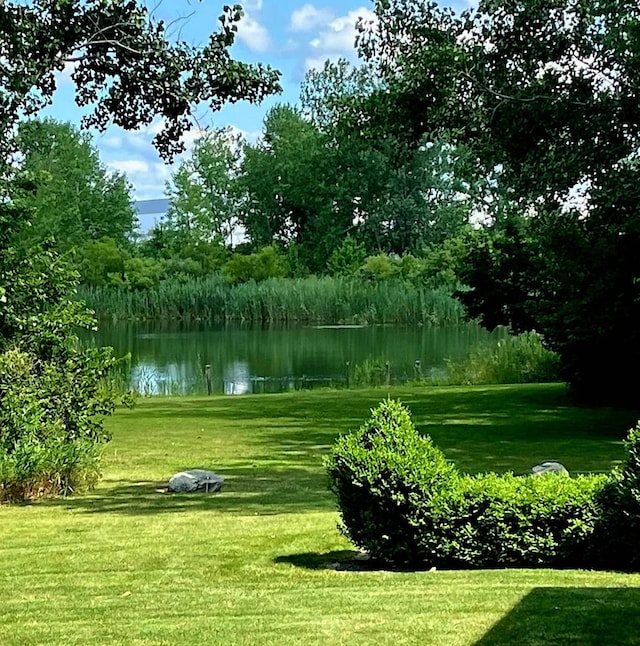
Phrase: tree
(332, 98)
(292, 180)
(126, 70)
(75, 199)
(548, 92)
(52, 392)
(405, 197)
(204, 194)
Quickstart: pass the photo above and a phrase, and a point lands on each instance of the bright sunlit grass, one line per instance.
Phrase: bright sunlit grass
(130, 564)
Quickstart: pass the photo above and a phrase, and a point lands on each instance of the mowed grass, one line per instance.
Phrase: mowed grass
(130, 564)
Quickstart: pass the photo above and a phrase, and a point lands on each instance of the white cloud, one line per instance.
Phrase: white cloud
(133, 154)
(309, 17)
(252, 5)
(254, 35)
(129, 166)
(337, 38)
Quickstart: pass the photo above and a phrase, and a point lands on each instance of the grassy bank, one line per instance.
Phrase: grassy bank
(130, 564)
(313, 299)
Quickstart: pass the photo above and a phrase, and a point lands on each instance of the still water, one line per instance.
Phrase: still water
(172, 358)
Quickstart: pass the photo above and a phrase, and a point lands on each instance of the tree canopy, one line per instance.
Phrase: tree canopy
(74, 198)
(547, 92)
(126, 69)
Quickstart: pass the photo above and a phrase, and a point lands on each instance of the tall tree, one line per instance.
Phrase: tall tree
(204, 193)
(291, 179)
(403, 197)
(75, 199)
(548, 91)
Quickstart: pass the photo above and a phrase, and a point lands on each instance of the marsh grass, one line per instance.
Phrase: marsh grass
(513, 360)
(263, 563)
(310, 300)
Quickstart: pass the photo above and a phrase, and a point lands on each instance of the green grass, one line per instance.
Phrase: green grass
(130, 564)
(314, 299)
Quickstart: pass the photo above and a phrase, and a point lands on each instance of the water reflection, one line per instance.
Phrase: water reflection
(237, 378)
(171, 359)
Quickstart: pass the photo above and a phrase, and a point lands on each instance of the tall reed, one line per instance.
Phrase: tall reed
(516, 359)
(312, 300)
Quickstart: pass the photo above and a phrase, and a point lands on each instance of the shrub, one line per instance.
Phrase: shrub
(267, 263)
(380, 267)
(346, 259)
(401, 501)
(142, 273)
(98, 261)
(386, 477)
(516, 359)
(517, 521)
(617, 537)
(50, 428)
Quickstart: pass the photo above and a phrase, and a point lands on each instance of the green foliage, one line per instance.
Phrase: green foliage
(401, 501)
(205, 196)
(74, 198)
(128, 68)
(379, 267)
(369, 373)
(519, 521)
(516, 359)
(50, 421)
(291, 178)
(267, 263)
(547, 130)
(142, 273)
(312, 299)
(618, 533)
(52, 394)
(100, 262)
(346, 259)
(386, 478)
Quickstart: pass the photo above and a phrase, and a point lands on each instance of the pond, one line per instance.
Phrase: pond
(173, 358)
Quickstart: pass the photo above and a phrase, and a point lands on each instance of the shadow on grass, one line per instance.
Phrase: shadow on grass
(317, 561)
(341, 560)
(245, 492)
(499, 428)
(285, 437)
(581, 616)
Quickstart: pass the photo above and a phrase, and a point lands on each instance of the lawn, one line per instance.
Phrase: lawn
(130, 564)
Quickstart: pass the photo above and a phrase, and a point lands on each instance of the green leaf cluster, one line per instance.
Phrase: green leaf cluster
(401, 501)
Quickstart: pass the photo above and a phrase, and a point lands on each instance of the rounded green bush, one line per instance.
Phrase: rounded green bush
(386, 478)
(402, 502)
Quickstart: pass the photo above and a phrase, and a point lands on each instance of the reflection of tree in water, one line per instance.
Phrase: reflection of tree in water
(237, 378)
(172, 379)
(170, 359)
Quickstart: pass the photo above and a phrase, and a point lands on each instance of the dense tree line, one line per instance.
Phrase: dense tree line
(523, 115)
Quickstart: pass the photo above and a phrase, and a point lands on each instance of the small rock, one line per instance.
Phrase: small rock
(195, 481)
(549, 467)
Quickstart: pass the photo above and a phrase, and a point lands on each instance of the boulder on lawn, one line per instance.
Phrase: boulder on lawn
(195, 481)
(549, 467)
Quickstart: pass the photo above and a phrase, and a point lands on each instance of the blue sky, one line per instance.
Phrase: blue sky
(292, 36)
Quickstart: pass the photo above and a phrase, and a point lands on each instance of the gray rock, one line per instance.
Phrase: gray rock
(194, 481)
(549, 467)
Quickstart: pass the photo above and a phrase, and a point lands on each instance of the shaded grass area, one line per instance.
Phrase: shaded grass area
(130, 564)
